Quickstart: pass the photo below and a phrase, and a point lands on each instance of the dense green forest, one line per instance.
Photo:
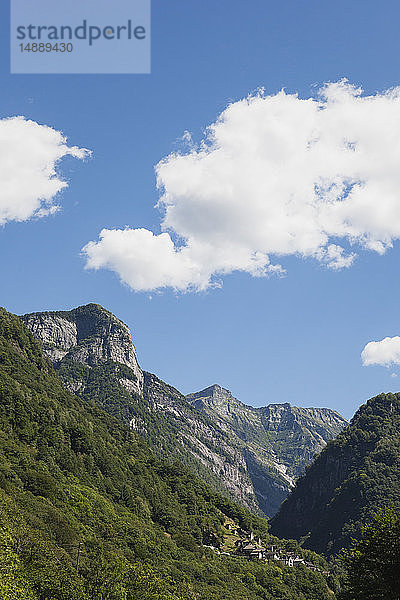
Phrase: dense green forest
(354, 476)
(88, 513)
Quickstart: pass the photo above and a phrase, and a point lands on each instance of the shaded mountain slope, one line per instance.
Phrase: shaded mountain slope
(353, 476)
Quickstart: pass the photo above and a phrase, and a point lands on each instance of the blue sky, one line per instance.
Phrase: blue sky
(296, 338)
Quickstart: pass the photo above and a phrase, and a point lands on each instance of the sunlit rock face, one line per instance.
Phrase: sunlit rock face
(89, 335)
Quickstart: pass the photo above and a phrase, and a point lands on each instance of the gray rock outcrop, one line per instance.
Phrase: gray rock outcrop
(277, 441)
(89, 335)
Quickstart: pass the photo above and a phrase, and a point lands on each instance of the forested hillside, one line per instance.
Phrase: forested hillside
(355, 475)
(88, 513)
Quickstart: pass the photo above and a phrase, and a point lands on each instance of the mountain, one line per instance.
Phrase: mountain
(254, 455)
(356, 474)
(277, 441)
(93, 353)
(88, 513)
(87, 335)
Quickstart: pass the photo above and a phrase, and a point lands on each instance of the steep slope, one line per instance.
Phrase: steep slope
(87, 513)
(254, 455)
(277, 441)
(353, 476)
(179, 431)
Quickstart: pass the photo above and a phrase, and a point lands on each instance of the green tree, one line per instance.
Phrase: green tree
(13, 586)
(373, 563)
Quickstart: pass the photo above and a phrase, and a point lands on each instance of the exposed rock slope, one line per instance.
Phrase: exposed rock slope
(89, 335)
(252, 454)
(185, 434)
(277, 441)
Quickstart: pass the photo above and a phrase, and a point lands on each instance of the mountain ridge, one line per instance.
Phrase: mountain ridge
(285, 437)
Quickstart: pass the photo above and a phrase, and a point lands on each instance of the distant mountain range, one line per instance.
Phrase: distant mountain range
(252, 454)
(355, 475)
(277, 441)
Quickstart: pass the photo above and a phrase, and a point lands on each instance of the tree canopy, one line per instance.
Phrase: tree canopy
(373, 563)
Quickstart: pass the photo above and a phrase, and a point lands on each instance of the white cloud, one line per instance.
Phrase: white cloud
(29, 154)
(386, 352)
(274, 176)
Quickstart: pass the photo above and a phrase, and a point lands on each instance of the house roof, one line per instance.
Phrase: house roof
(254, 547)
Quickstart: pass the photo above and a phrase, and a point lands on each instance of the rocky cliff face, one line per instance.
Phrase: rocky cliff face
(89, 335)
(277, 441)
(252, 454)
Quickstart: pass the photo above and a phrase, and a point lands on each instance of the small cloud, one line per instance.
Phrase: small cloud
(393, 375)
(29, 155)
(386, 352)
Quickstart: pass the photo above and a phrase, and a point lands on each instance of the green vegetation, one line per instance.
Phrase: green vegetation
(101, 387)
(88, 513)
(372, 564)
(352, 478)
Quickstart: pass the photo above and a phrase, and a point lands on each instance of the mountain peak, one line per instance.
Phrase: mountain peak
(88, 334)
(213, 390)
(214, 396)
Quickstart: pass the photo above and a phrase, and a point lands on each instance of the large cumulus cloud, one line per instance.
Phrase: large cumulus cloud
(274, 176)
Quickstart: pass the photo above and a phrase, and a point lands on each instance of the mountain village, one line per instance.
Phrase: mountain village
(243, 544)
